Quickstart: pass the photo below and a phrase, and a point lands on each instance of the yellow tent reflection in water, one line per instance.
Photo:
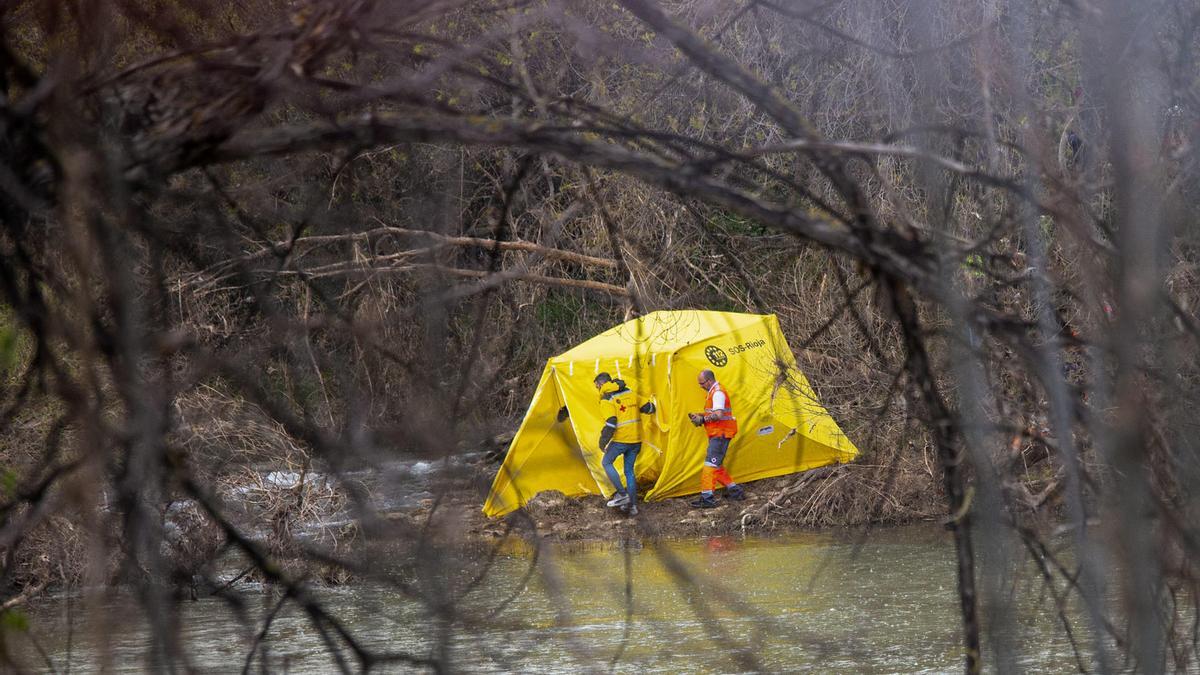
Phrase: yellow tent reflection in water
(782, 427)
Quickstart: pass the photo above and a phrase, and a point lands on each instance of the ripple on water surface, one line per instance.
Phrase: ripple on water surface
(833, 603)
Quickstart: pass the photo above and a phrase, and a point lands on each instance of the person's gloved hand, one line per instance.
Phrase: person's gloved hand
(696, 418)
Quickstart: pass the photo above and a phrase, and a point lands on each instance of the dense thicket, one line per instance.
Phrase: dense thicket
(328, 236)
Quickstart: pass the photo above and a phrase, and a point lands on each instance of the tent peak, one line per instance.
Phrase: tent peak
(662, 331)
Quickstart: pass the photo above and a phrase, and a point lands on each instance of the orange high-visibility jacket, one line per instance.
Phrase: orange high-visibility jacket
(725, 426)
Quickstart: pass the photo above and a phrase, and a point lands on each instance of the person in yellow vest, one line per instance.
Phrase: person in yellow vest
(620, 436)
(721, 426)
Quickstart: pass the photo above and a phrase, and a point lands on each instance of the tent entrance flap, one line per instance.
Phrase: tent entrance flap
(543, 455)
(579, 414)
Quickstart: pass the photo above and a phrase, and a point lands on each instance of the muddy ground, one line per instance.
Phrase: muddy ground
(775, 505)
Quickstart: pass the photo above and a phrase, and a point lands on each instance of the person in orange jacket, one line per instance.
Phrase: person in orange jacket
(721, 426)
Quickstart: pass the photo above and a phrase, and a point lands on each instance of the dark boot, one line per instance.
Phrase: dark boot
(703, 502)
(736, 493)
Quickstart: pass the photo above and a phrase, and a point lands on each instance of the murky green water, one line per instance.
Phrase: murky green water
(817, 602)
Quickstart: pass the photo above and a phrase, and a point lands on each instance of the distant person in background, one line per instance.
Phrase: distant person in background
(620, 436)
(720, 426)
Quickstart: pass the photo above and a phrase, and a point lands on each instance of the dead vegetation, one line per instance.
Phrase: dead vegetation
(330, 237)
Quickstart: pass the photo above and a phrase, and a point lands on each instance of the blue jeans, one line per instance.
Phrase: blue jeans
(630, 450)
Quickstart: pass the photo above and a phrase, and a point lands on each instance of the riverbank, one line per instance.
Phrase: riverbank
(289, 512)
(844, 496)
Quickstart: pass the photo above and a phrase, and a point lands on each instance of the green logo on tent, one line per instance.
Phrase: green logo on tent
(716, 356)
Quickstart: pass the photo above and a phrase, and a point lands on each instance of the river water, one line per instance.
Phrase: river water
(838, 603)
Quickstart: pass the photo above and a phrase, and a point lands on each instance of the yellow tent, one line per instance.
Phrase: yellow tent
(782, 427)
